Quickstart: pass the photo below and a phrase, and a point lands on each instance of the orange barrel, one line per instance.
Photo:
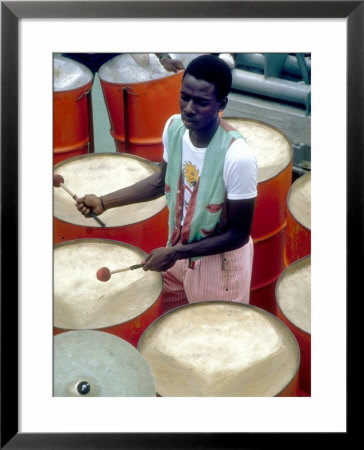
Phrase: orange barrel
(125, 305)
(72, 109)
(293, 295)
(90, 363)
(275, 159)
(139, 102)
(298, 239)
(144, 225)
(221, 349)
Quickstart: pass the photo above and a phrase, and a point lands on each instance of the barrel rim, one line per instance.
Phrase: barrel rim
(307, 175)
(98, 155)
(235, 304)
(279, 280)
(88, 72)
(260, 122)
(111, 242)
(140, 83)
(75, 90)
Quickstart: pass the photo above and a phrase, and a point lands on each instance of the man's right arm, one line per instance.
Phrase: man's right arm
(145, 190)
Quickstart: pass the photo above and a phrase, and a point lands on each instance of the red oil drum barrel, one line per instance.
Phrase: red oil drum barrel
(90, 363)
(267, 266)
(139, 102)
(125, 305)
(264, 297)
(293, 294)
(221, 349)
(275, 159)
(144, 225)
(72, 109)
(298, 240)
(268, 259)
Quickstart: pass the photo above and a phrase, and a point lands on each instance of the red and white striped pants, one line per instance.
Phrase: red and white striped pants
(225, 276)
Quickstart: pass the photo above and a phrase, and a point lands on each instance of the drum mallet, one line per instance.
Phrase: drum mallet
(104, 274)
(58, 181)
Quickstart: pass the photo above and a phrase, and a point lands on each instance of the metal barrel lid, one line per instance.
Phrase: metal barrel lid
(272, 148)
(293, 293)
(125, 68)
(91, 363)
(220, 349)
(299, 200)
(81, 301)
(69, 74)
(101, 173)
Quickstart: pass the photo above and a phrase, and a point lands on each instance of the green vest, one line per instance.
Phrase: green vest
(205, 214)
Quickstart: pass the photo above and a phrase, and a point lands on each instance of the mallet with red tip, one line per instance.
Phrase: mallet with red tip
(104, 274)
(58, 181)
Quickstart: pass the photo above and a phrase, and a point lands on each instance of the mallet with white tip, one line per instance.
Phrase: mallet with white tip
(58, 181)
(104, 274)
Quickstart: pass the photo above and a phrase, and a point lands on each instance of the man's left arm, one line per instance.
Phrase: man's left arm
(235, 235)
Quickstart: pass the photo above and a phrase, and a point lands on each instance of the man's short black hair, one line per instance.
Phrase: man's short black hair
(213, 69)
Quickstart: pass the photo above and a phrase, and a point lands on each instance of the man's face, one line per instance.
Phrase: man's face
(198, 104)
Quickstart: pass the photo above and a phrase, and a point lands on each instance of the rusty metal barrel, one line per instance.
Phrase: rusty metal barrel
(293, 297)
(124, 306)
(72, 109)
(298, 233)
(275, 159)
(221, 349)
(144, 225)
(139, 102)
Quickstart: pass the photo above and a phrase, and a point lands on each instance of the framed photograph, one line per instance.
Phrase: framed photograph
(31, 33)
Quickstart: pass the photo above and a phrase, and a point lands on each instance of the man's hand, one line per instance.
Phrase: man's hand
(88, 203)
(172, 65)
(160, 259)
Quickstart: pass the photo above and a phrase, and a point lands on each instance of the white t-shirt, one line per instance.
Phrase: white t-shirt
(240, 168)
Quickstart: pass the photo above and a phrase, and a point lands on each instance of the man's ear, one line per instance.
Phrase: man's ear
(223, 103)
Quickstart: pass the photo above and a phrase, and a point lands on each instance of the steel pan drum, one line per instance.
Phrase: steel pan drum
(144, 225)
(275, 159)
(139, 101)
(220, 348)
(72, 109)
(293, 294)
(95, 364)
(125, 305)
(298, 240)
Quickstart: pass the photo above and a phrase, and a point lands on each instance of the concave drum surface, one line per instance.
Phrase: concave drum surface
(220, 348)
(125, 305)
(139, 102)
(298, 241)
(275, 159)
(143, 224)
(72, 109)
(293, 296)
(91, 363)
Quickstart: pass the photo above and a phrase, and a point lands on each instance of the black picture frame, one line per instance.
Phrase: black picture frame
(11, 12)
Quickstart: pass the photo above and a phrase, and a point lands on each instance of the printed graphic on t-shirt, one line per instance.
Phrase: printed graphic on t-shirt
(191, 176)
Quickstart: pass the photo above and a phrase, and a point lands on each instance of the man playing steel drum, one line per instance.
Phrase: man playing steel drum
(209, 177)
